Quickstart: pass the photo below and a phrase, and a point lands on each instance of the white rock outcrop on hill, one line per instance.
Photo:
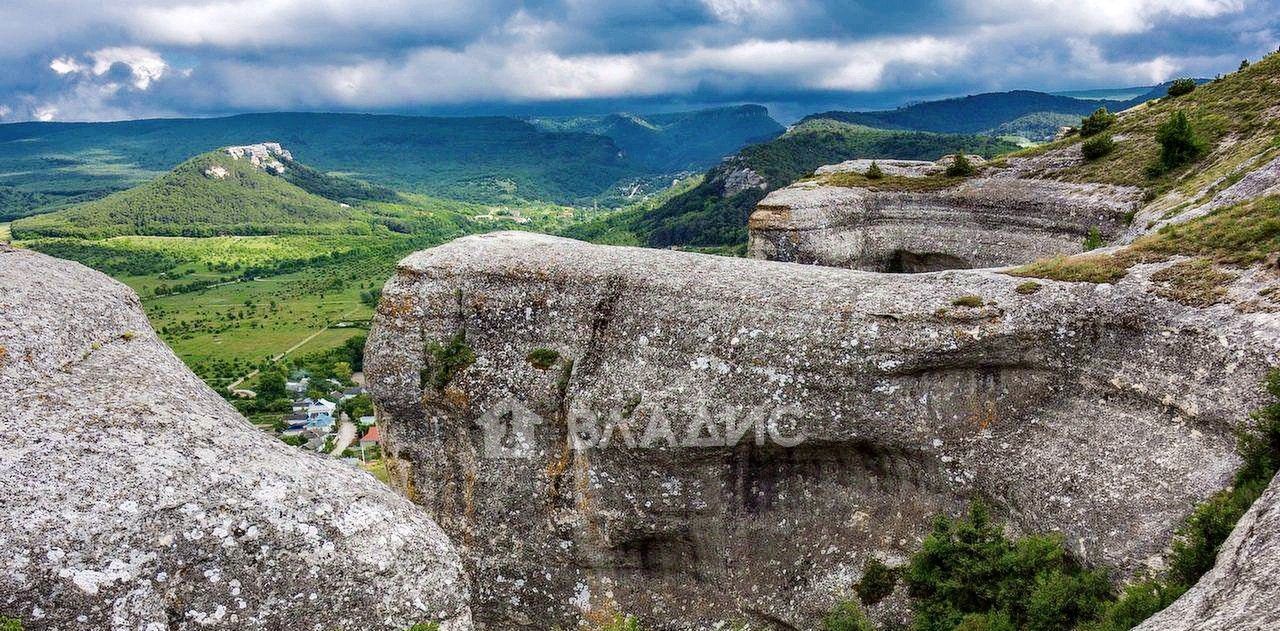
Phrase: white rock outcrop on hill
(264, 155)
(1103, 412)
(135, 498)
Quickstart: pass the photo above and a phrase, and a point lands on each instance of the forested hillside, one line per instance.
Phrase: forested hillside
(210, 194)
(1034, 115)
(481, 159)
(706, 217)
(676, 141)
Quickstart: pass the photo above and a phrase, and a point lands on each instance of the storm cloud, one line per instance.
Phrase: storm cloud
(89, 60)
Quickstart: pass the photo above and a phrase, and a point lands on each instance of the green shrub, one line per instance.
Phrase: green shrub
(847, 616)
(960, 166)
(445, 361)
(425, 626)
(1139, 601)
(967, 301)
(966, 567)
(878, 581)
(1093, 240)
(1179, 144)
(1096, 122)
(542, 358)
(1029, 287)
(1097, 147)
(874, 171)
(983, 622)
(10, 624)
(621, 623)
(1180, 87)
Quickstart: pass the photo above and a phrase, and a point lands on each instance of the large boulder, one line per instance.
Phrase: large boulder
(136, 498)
(869, 402)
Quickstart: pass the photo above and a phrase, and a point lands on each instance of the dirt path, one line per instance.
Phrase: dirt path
(346, 434)
(275, 358)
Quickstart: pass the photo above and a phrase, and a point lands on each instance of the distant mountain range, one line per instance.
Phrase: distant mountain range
(1034, 115)
(44, 166)
(681, 141)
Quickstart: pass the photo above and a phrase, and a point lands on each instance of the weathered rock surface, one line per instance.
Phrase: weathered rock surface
(1102, 412)
(904, 168)
(264, 155)
(1242, 591)
(135, 498)
(984, 222)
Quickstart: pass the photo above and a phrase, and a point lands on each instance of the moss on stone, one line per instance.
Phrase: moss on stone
(542, 358)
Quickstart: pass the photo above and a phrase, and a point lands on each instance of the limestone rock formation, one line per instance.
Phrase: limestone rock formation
(264, 155)
(134, 497)
(904, 168)
(982, 222)
(1103, 412)
(1242, 591)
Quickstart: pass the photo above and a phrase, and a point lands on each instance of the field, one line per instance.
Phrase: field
(229, 304)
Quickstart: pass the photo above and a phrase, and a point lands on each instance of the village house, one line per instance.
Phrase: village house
(371, 438)
(322, 407)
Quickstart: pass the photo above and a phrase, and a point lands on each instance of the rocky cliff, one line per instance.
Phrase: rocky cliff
(136, 498)
(868, 403)
(911, 222)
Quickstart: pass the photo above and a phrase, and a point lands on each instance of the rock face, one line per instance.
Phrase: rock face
(264, 155)
(1242, 591)
(984, 222)
(135, 498)
(1102, 412)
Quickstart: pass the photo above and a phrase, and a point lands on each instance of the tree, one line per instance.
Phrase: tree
(1179, 144)
(271, 386)
(1182, 86)
(960, 166)
(342, 371)
(1244, 63)
(1099, 120)
(874, 172)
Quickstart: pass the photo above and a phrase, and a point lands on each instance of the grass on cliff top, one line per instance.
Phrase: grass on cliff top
(892, 183)
(1238, 235)
(1237, 115)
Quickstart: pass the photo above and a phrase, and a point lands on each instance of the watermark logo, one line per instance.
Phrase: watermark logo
(510, 428)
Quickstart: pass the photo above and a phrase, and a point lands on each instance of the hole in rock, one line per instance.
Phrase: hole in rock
(905, 262)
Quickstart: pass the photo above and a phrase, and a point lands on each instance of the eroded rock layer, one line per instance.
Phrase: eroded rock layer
(1103, 412)
(983, 222)
(135, 498)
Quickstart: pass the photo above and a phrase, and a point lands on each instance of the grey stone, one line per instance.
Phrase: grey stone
(983, 222)
(1099, 411)
(135, 498)
(1242, 591)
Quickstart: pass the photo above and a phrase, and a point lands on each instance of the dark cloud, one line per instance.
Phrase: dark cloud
(89, 60)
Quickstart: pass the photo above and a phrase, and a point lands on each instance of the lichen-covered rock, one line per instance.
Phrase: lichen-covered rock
(904, 168)
(1242, 591)
(984, 222)
(135, 498)
(1103, 412)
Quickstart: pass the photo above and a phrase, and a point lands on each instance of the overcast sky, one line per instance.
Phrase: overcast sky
(106, 60)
